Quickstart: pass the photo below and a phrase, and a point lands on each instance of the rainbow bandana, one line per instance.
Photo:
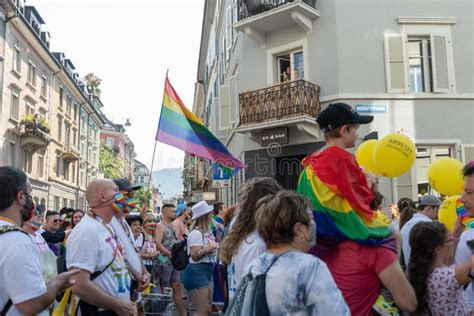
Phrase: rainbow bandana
(341, 198)
(461, 212)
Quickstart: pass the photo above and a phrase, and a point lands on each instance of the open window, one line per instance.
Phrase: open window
(290, 66)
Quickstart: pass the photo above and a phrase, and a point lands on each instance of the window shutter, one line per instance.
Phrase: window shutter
(234, 100)
(439, 57)
(395, 56)
(467, 152)
(224, 108)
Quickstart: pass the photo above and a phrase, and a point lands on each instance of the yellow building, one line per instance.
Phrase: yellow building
(49, 122)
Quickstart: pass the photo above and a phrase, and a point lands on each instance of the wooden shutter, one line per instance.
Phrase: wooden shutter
(439, 58)
(467, 152)
(224, 108)
(234, 100)
(395, 65)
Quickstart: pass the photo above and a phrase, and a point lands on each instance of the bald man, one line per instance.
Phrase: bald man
(103, 283)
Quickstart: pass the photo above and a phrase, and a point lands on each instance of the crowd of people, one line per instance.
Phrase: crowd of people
(328, 248)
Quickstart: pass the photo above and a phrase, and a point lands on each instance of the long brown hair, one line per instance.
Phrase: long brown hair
(245, 223)
(425, 237)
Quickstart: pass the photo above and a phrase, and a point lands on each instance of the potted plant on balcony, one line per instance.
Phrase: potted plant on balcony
(28, 120)
(44, 125)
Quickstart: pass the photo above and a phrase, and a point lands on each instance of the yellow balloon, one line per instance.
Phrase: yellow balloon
(447, 212)
(445, 176)
(365, 156)
(394, 155)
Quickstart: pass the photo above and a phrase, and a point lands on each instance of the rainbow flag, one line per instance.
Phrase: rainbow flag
(341, 198)
(180, 128)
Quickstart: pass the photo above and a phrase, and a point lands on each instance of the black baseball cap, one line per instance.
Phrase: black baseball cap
(125, 185)
(339, 114)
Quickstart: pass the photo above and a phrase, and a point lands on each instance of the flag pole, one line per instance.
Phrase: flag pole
(156, 141)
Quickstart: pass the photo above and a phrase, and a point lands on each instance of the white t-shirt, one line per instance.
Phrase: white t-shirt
(249, 249)
(197, 239)
(139, 243)
(405, 232)
(21, 270)
(463, 255)
(91, 247)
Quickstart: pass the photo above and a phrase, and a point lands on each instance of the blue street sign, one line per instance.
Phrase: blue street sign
(218, 173)
(370, 108)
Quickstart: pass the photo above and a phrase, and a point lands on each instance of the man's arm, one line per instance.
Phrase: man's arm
(92, 294)
(397, 284)
(40, 303)
(159, 231)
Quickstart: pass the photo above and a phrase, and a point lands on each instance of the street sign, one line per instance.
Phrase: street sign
(370, 108)
(219, 173)
(274, 136)
(209, 196)
(218, 184)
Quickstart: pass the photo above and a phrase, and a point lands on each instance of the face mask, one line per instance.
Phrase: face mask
(131, 204)
(119, 203)
(35, 226)
(28, 210)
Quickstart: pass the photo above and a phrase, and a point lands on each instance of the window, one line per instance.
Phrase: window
(69, 104)
(56, 204)
(228, 30)
(60, 128)
(40, 168)
(17, 59)
(27, 160)
(71, 203)
(110, 142)
(290, 66)
(43, 201)
(29, 107)
(11, 154)
(418, 63)
(67, 134)
(66, 169)
(31, 73)
(425, 156)
(14, 105)
(75, 111)
(74, 136)
(44, 87)
(73, 178)
(61, 96)
(64, 202)
(58, 165)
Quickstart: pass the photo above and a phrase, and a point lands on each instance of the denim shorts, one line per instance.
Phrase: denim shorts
(197, 276)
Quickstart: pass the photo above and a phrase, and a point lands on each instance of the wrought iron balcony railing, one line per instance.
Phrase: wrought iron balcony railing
(248, 8)
(284, 100)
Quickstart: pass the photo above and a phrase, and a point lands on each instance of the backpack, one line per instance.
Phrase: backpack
(250, 298)
(179, 254)
(3, 230)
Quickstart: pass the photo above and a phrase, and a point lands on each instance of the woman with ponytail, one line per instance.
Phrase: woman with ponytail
(243, 243)
(437, 282)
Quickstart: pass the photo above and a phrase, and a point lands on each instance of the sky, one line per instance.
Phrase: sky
(130, 45)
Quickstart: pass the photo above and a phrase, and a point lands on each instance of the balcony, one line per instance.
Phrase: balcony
(294, 103)
(71, 152)
(33, 138)
(257, 18)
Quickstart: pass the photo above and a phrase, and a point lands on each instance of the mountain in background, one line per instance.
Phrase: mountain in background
(169, 181)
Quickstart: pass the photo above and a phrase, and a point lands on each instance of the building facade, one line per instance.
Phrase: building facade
(142, 174)
(41, 101)
(114, 136)
(267, 68)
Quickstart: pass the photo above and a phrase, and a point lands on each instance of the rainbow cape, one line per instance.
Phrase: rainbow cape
(341, 198)
(180, 128)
